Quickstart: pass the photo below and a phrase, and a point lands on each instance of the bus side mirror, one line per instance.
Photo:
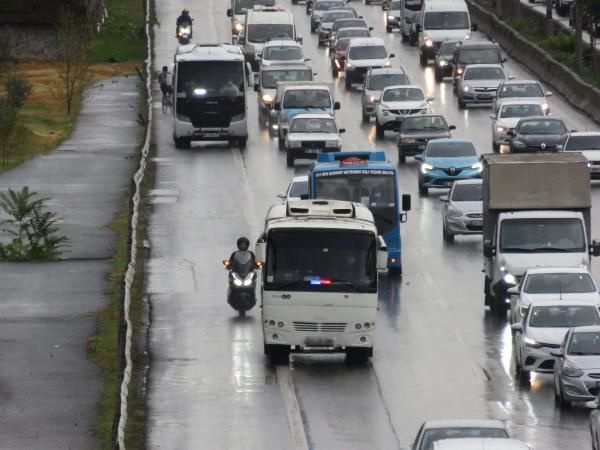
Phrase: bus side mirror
(382, 254)
(336, 106)
(406, 202)
(256, 87)
(595, 248)
(260, 250)
(342, 130)
(474, 27)
(488, 248)
(452, 127)
(230, 12)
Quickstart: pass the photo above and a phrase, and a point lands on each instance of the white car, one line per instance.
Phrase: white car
(364, 54)
(311, 134)
(463, 209)
(279, 52)
(543, 330)
(506, 118)
(552, 283)
(481, 444)
(525, 90)
(588, 143)
(436, 430)
(398, 102)
(297, 189)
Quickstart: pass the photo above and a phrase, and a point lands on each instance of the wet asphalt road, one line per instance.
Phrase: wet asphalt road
(438, 353)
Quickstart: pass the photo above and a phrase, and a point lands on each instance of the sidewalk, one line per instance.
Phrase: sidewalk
(48, 387)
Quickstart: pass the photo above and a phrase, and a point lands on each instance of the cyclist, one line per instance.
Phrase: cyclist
(165, 86)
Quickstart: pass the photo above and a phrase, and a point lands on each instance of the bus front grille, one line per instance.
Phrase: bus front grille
(324, 327)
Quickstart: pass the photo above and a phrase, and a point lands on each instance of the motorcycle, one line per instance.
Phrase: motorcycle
(241, 294)
(184, 33)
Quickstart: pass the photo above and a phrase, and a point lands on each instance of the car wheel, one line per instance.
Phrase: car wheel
(461, 103)
(182, 143)
(334, 73)
(278, 354)
(357, 356)
(389, 29)
(395, 272)
(312, 29)
(242, 142)
(379, 131)
(594, 439)
(561, 402)
(401, 157)
(438, 75)
(448, 237)
(404, 37)
(423, 190)
(289, 159)
(321, 43)
(280, 143)
(495, 147)
(365, 117)
(522, 375)
(423, 59)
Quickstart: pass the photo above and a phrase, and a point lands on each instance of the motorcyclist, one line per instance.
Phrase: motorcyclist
(184, 18)
(242, 244)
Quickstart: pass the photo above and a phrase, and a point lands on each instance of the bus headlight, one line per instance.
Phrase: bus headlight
(267, 98)
(238, 27)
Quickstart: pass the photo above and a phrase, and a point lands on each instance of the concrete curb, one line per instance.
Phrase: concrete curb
(578, 93)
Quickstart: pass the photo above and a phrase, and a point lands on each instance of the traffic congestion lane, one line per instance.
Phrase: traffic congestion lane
(434, 317)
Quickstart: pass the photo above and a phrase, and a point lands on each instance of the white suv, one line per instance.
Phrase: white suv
(398, 102)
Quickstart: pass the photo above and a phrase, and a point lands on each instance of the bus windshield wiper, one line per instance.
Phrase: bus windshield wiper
(556, 249)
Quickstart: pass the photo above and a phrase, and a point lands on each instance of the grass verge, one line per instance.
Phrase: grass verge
(561, 47)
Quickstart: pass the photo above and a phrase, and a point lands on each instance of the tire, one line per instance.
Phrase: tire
(438, 76)
(182, 143)
(312, 29)
(422, 59)
(289, 159)
(357, 356)
(242, 142)
(522, 375)
(321, 43)
(461, 103)
(281, 143)
(395, 272)
(423, 190)
(348, 83)
(401, 157)
(278, 354)
(495, 147)
(389, 29)
(488, 299)
(448, 237)
(365, 117)
(242, 313)
(499, 305)
(379, 131)
(334, 73)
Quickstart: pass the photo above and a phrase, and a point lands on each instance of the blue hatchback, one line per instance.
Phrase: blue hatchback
(446, 160)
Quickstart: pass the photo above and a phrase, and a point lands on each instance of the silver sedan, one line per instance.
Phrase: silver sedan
(463, 209)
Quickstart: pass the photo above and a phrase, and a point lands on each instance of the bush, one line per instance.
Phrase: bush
(560, 42)
(17, 90)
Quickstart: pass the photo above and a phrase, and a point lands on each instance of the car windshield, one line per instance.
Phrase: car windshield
(521, 90)
(302, 125)
(424, 124)
(446, 49)
(335, 260)
(368, 52)
(307, 98)
(283, 53)
(584, 343)
(542, 236)
(271, 77)
(563, 316)
(433, 435)
(241, 6)
(380, 82)
(557, 283)
(478, 56)
(298, 189)
(578, 143)
(484, 73)
(513, 111)
(450, 149)
(332, 16)
(354, 32)
(376, 191)
(471, 192)
(349, 23)
(446, 20)
(264, 32)
(323, 6)
(541, 127)
(403, 94)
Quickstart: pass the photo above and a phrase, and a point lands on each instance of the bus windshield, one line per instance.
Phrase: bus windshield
(241, 6)
(330, 260)
(209, 79)
(376, 189)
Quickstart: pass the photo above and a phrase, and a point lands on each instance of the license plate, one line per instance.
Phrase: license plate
(312, 150)
(448, 183)
(210, 135)
(318, 342)
(477, 223)
(421, 147)
(485, 97)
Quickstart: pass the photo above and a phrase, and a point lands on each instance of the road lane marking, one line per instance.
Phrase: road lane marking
(292, 408)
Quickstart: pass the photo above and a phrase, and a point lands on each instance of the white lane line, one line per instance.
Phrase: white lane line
(286, 385)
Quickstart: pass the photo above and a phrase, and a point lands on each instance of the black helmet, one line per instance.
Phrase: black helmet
(243, 242)
(165, 68)
(185, 12)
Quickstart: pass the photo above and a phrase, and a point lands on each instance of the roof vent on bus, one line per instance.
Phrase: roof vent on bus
(321, 208)
(343, 211)
(363, 155)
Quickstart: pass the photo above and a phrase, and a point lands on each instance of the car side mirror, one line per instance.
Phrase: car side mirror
(385, 8)
(430, 99)
(549, 94)
(282, 196)
(256, 87)
(517, 327)
(444, 198)
(392, 55)
(418, 157)
(557, 353)
(493, 116)
(510, 133)
(277, 106)
(452, 127)
(488, 248)
(336, 106)
(474, 27)
(504, 59)
(306, 59)
(315, 74)
(370, 28)
(342, 130)
(513, 290)
(511, 77)
(299, 39)
(595, 248)
(230, 12)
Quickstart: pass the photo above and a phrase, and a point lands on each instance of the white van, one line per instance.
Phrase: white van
(440, 21)
(480, 444)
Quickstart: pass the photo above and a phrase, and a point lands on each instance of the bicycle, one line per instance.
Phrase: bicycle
(167, 101)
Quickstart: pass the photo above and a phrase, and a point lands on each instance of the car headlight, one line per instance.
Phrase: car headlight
(559, 147)
(467, 36)
(295, 144)
(545, 107)
(459, 71)
(391, 17)
(467, 88)
(332, 143)
(267, 98)
(407, 141)
(519, 144)
(509, 278)
(348, 65)
(426, 167)
(238, 27)
(442, 63)
(372, 99)
(428, 42)
(531, 343)
(523, 310)
(569, 370)
(478, 167)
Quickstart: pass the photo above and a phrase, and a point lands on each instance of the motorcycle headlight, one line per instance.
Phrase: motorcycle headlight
(426, 167)
(185, 30)
(267, 98)
(459, 71)
(509, 278)
(569, 370)
(531, 343)
(236, 279)
(442, 63)
(295, 144)
(478, 167)
(249, 279)
(428, 42)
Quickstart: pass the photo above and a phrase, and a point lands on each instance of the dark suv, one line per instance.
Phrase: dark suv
(476, 52)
